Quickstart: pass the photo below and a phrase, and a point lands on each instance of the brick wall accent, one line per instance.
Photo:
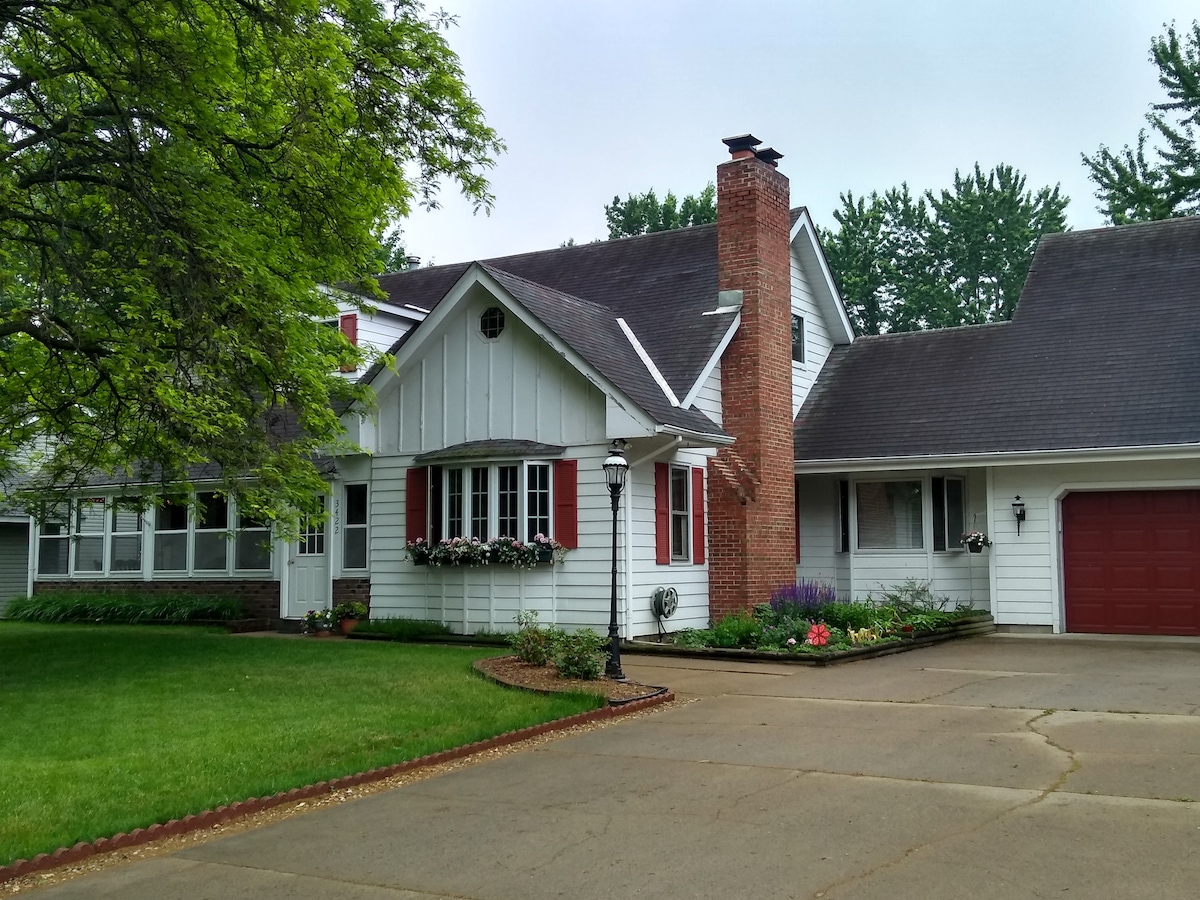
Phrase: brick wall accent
(261, 598)
(751, 532)
(347, 590)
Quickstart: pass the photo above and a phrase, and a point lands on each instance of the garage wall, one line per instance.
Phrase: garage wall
(14, 562)
(1027, 581)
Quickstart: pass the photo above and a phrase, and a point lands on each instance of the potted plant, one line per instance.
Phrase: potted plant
(975, 541)
(318, 622)
(349, 614)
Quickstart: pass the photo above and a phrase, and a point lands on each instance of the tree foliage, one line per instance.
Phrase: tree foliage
(644, 213)
(956, 257)
(1134, 186)
(178, 179)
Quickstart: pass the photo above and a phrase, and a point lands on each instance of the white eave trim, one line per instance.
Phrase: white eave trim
(1010, 458)
(648, 363)
(804, 225)
(697, 438)
(713, 361)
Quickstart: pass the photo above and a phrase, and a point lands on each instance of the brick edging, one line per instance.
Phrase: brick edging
(65, 856)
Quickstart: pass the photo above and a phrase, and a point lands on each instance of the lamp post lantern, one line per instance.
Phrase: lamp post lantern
(615, 469)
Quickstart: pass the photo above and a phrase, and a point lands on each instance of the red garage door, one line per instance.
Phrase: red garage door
(1131, 562)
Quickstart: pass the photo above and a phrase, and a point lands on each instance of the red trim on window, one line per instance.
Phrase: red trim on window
(566, 502)
(697, 515)
(416, 504)
(662, 514)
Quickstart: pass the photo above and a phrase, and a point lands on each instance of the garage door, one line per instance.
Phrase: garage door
(1131, 562)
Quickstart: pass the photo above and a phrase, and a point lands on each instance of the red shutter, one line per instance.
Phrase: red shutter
(566, 502)
(416, 503)
(662, 514)
(349, 327)
(697, 515)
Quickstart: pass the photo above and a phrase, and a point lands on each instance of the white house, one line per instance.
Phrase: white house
(765, 441)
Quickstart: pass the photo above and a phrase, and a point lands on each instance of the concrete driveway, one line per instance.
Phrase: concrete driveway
(996, 768)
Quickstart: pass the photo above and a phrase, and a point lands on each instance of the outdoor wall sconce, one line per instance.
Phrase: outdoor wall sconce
(1018, 512)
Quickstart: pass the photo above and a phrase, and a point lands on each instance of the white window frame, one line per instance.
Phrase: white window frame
(356, 527)
(922, 484)
(493, 499)
(113, 508)
(952, 537)
(683, 515)
(70, 533)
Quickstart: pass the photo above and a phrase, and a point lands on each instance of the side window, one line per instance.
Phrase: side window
(212, 529)
(680, 514)
(252, 548)
(354, 548)
(171, 535)
(797, 338)
(54, 544)
(537, 500)
(125, 545)
(949, 512)
(89, 536)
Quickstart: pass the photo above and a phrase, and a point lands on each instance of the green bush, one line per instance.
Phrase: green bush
(849, 615)
(401, 629)
(122, 608)
(739, 629)
(579, 654)
(531, 642)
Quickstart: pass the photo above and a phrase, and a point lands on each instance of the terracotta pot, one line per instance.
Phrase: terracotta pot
(348, 625)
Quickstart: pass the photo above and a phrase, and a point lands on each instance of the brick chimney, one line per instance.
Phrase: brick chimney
(751, 502)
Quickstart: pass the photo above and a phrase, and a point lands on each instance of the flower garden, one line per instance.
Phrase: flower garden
(807, 617)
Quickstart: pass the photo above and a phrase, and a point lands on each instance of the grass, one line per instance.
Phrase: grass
(108, 728)
(401, 629)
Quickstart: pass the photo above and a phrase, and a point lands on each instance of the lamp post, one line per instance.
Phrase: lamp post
(615, 469)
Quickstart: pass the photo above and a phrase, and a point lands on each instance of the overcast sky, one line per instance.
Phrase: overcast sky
(599, 99)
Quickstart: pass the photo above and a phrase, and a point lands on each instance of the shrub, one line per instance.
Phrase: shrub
(739, 629)
(580, 654)
(123, 608)
(845, 616)
(401, 629)
(914, 596)
(530, 642)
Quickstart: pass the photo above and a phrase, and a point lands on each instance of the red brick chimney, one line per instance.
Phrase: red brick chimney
(751, 502)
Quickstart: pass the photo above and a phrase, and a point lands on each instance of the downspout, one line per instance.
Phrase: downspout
(31, 550)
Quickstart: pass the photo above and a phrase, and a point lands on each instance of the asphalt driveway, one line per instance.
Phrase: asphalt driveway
(994, 767)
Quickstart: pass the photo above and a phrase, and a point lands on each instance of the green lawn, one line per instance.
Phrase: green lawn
(107, 728)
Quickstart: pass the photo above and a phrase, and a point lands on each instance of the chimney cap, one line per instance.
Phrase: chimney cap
(413, 262)
(769, 155)
(741, 143)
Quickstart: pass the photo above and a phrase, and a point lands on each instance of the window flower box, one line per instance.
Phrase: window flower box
(503, 551)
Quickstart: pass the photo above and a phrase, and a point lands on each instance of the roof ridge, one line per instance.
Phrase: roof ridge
(979, 326)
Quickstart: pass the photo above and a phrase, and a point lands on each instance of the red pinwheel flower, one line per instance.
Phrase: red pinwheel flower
(818, 635)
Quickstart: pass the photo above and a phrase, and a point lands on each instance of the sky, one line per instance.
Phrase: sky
(603, 99)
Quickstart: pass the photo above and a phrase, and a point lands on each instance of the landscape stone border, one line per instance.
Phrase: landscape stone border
(65, 856)
(966, 627)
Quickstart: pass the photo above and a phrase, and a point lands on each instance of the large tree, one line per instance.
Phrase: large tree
(645, 213)
(1134, 186)
(178, 180)
(955, 257)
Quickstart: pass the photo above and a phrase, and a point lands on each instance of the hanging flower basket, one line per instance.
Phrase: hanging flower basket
(975, 541)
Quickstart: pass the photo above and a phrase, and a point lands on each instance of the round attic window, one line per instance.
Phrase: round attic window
(491, 323)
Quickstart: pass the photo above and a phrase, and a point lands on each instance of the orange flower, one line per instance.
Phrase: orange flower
(818, 635)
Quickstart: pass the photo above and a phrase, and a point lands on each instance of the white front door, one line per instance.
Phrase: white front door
(308, 576)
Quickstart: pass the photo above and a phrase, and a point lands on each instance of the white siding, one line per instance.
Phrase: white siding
(689, 579)
(817, 340)
(708, 398)
(961, 576)
(466, 388)
(14, 562)
(1028, 582)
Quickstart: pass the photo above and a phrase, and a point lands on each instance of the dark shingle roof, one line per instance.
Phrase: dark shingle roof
(1103, 351)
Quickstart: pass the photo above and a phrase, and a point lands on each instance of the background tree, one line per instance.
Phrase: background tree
(643, 213)
(1134, 187)
(177, 179)
(956, 257)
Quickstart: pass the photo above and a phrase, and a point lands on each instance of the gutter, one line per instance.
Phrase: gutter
(1014, 457)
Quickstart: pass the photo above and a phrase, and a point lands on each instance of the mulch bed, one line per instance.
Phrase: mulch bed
(545, 679)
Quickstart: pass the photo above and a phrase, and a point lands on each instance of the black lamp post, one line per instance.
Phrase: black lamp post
(615, 469)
